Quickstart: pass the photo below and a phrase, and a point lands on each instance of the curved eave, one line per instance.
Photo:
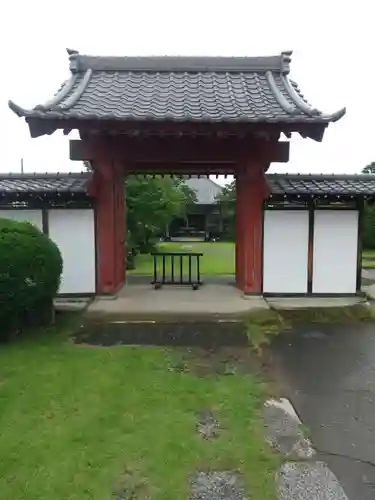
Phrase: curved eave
(307, 121)
(56, 103)
(305, 108)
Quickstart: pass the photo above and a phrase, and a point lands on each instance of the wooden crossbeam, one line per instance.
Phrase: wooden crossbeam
(184, 149)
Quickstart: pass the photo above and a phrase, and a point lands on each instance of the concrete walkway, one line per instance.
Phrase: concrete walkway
(143, 301)
(218, 296)
(329, 372)
(139, 300)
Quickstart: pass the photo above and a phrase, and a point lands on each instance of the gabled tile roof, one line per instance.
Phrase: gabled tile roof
(44, 183)
(183, 89)
(206, 189)
(321, 184)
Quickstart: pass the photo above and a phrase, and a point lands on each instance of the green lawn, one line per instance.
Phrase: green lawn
(368, 258)
(368, 264)
(78, 421)
(218, 258)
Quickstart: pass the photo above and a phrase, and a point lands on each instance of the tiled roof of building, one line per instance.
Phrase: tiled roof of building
(44, 183)
(207, 190)
(322, 184)
(182, 89)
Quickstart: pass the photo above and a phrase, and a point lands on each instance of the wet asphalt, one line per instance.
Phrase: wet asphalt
(329, 374)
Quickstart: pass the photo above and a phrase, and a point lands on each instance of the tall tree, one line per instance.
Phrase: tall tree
(369, 169)
(227, 202)
(152, 203)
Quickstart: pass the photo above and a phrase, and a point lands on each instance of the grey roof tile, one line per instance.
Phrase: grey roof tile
(321, 184)
(207, 190)
(43, 183)
(205, 89)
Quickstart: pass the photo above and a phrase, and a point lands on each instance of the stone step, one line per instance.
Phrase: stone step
(206, 334)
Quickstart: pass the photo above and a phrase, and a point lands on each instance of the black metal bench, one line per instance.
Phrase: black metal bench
(174, 263)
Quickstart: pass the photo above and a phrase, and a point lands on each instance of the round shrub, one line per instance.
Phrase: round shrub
(30, 270)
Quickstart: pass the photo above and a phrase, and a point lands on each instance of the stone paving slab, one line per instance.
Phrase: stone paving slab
(304, 478)
(207, 426)
(308, 481)
(283, 430)
(217, 485)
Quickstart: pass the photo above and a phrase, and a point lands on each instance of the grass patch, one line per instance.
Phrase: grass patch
(218, 258)
(369, 264)
(368, 254)
(335, 315)
(368, 259)
(262, 325)
(86, 423)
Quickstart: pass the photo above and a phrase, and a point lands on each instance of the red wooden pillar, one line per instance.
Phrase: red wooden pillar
(251, 190)
(110, 225)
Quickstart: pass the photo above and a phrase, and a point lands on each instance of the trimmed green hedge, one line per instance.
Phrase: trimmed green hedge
(30, 270)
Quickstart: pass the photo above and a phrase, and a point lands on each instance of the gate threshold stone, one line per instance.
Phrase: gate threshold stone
(142, 301)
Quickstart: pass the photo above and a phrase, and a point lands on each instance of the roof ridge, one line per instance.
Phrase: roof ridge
(43, 175)
(179, 63)
(226, 92)
(321, 176)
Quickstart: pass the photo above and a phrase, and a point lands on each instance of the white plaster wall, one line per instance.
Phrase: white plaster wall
(285, 251)
(32, 216)
(74, 233)
(335, 251)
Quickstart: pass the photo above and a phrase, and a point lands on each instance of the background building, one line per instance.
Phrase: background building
(204, 219)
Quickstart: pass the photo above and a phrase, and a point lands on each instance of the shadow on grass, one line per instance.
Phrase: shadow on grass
(64, 324)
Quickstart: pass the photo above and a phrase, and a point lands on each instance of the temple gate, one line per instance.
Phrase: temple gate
(181, 115)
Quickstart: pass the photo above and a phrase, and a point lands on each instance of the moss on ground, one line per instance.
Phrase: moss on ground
(262, 325)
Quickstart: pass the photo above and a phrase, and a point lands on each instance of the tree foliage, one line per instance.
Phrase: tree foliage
(369, 216)
(227, 201)
(369, 169)
(152, 203)
(227, 196)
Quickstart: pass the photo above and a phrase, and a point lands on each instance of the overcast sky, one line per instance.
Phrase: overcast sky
(333, 62)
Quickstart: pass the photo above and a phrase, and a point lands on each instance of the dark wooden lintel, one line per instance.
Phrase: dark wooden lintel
(179, 150)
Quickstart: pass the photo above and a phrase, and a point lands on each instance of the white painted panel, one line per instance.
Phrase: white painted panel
(335, 251)
(32, 216)
(74, 233)
(285, 247)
